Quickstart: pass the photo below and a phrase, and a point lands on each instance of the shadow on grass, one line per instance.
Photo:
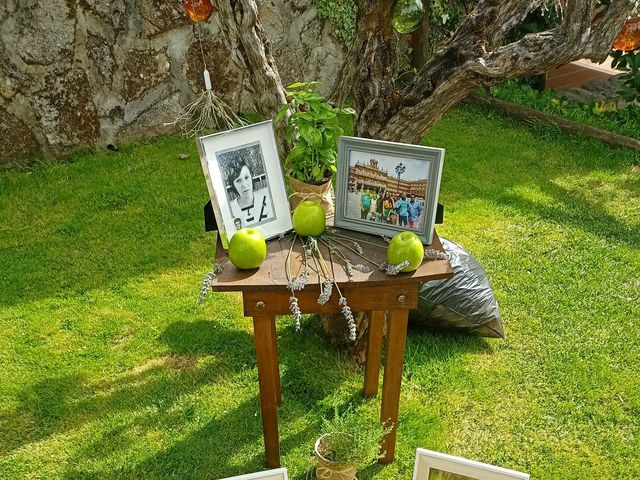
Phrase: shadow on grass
(496, 158)
(575, 210)
(101, 222)
(56, 405)
(230, 442)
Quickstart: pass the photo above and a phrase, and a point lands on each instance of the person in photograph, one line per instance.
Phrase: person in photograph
(373, 208)
(238, 223)
(250, 206)
(414, 210)
(387, 206)
(365, 204)
(380, 206)
(402, 208)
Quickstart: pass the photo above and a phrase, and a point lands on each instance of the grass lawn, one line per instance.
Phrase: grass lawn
(109, 368)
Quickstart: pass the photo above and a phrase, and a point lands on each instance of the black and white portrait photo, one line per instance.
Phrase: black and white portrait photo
(245, 181)
(244, 178)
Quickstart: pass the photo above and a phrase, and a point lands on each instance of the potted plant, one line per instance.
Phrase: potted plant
(312, 131)
(351, 442)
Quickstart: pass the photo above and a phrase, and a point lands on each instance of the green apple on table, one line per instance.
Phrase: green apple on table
(309, 219)
(405, 246)
(247, 248)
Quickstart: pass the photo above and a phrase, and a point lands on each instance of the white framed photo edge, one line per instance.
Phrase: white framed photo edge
(250, 155)
(426, 460)
(275, 474)
(423, 162)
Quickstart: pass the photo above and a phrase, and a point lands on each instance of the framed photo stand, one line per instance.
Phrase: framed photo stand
(245, 182)
(384, 187)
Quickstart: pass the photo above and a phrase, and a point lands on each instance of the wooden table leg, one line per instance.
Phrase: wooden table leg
(396, 340)
(374, 349)
(266, 356)
(276, 364)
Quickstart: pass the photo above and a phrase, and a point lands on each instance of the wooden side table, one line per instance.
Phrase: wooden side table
(265, 295)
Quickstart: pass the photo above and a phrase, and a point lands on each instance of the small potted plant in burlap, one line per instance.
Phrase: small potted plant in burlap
(351, 442)
(313, 127)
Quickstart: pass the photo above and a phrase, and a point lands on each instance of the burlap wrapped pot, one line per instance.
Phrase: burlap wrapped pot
(328, 470)
(322, 194)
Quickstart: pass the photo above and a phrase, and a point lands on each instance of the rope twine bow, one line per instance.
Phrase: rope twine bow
(303, 195)
(325, 473)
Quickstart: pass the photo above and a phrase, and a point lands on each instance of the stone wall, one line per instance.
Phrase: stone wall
(79, 73)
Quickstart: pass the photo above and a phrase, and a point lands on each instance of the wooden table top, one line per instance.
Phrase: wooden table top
(272, 273)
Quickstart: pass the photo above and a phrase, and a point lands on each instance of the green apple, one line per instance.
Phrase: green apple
(247, 248)
(405, 246)
(309, 219)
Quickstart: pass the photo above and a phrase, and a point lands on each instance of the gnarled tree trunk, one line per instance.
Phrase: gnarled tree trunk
(475, 56)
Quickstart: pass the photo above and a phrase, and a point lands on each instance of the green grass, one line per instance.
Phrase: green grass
(111, 370)
(623, 121)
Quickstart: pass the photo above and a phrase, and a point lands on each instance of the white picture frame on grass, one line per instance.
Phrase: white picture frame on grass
(244, 178)
(432, 465)
(275, 474)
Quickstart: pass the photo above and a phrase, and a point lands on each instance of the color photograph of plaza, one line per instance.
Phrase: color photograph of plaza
(387, 189)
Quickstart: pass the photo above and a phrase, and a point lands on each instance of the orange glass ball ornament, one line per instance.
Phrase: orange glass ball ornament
(629, 37)
(198, 10)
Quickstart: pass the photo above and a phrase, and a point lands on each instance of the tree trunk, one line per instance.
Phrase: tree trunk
(245, 35)
(419, 41)
(367, 76)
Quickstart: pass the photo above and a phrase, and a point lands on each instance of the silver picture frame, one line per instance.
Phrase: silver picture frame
(245, 182)
(430, 465)
(389, 174)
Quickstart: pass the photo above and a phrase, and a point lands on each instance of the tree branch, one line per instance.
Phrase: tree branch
(466, 62)
(606, 27)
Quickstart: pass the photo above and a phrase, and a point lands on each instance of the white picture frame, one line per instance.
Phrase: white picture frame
(245, 182)
(432, 465)
(275, 474)
(397, 174)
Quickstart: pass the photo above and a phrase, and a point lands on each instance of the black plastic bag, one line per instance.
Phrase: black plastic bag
(464, 303)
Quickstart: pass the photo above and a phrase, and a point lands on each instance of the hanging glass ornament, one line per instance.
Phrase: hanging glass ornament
(208, 111)
(406, 15)
(198, 10)
(629, 37)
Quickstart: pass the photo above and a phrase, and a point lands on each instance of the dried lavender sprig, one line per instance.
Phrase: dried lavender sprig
(207, 282)
(345, 309)
(299, 282)
(348, 315)
(360, 267)
(295, 311)
(328, 239)
(393, 269)
(205, 286)
(348, 269)
(433, 254)
(325, 291)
